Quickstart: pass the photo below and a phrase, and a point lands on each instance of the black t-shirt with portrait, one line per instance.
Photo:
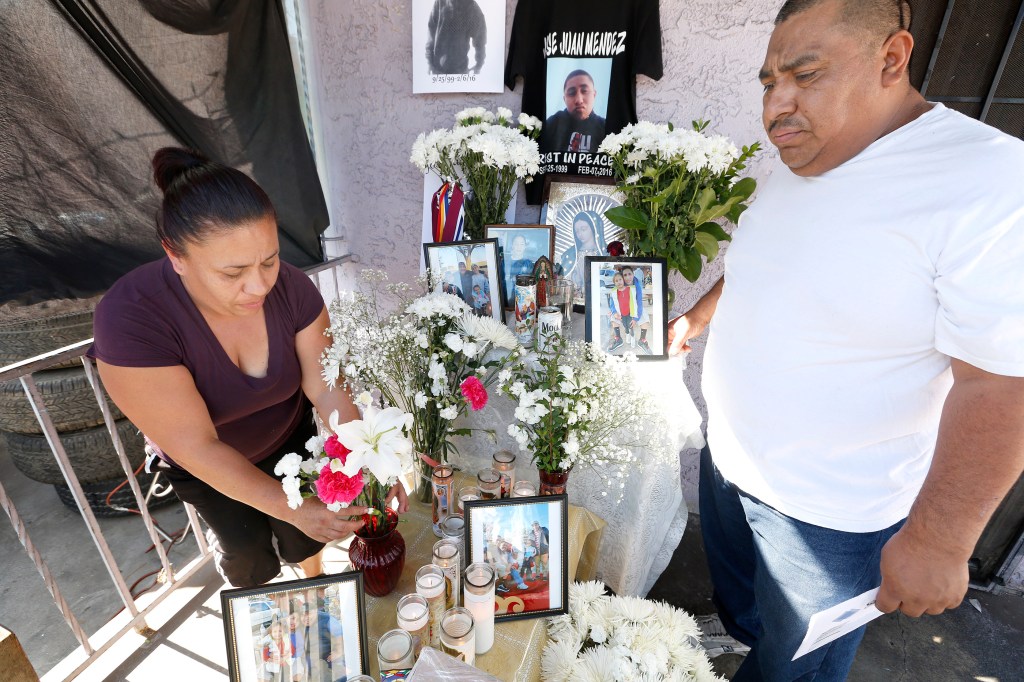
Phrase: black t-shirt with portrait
(579, 62)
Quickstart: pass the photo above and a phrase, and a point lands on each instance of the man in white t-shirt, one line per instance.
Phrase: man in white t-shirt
(863, 374)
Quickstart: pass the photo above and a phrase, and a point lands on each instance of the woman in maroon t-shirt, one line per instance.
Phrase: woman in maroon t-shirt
(213, 352)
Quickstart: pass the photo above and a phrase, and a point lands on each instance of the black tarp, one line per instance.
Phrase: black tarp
(89, 90)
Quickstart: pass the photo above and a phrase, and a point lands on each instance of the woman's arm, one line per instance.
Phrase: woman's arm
(310, 344)
(164, 403)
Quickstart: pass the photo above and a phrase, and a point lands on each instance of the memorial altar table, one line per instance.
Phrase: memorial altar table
(515, 656)
(646, 525)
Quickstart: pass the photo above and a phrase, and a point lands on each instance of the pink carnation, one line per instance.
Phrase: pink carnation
(335, 450)
(334, 486)
(474, 392)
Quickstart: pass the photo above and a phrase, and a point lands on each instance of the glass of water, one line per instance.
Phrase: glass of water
(562, 293)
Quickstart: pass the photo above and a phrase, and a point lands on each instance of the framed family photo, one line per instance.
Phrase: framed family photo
(525, 540)
(312, 629)
(627, 306)
(519, 247)
(469, 270)
(575, 206)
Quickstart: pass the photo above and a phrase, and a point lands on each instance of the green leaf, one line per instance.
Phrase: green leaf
(692, 266)
(627, 218)
(734, 214)
(715, 230)
(716, 212)
(707, 245)
(744, 188)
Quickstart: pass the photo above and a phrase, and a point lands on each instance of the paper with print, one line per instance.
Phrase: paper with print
(831, 624)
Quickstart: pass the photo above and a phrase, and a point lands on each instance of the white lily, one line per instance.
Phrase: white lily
(376, 441)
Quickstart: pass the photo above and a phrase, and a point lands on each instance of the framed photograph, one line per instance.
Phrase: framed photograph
(525, 539)
(449, 46)
(627, 305)
(575, 206)
(299, 629)
(468, 269)
(519, 247)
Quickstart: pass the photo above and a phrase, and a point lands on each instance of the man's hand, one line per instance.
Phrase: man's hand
(680, 331)
(919, 576)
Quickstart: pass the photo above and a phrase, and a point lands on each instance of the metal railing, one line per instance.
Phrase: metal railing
(171, 578)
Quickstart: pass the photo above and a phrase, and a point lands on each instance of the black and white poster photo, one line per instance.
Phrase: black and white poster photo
(458, 45)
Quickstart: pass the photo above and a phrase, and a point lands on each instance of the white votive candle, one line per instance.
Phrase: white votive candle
(479, 599)
(457, 635)
(430, 585)
(414, 618)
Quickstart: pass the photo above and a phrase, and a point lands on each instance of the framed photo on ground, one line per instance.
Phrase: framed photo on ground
(575, 206)
(525, 540)
(299, 629)
(519, 247)
(469, 270)
(627, 306)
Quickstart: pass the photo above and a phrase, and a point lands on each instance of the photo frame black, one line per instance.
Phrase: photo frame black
(644, 330)
(575, 205)
(519, 247)
(258, 628)
(468, 265)
(502, 532)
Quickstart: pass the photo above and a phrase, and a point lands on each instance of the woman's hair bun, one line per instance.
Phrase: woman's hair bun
(170, 163)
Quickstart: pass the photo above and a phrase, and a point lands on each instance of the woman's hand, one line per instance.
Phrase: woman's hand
(398, 491)
(318, 522)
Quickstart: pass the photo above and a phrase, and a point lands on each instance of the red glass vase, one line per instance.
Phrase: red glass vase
(553, 482)
(379, 553)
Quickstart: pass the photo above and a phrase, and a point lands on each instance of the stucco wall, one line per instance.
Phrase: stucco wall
(362, 51)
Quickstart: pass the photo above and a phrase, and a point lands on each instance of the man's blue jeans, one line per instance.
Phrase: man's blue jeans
(771, 573)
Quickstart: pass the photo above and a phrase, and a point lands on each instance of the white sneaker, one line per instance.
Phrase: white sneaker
(716, 640)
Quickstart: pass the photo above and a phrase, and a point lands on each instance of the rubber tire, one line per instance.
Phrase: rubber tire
(96, 494)
(68, 397)
(91, 453)
(21, 339)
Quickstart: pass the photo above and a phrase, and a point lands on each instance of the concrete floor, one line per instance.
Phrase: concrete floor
(984, 643)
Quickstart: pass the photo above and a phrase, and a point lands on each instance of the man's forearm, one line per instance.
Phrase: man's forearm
(979, 455)
(704, 309)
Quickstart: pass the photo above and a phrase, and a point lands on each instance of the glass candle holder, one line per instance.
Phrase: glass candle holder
(458, 637)
(414, 618)
(505, 465)
(443, 482)
(454, 528)
(524, 488)
(489, 482)
(467, 493)
(395, 654)
(446, 557)
(430, 584)
(479, 599)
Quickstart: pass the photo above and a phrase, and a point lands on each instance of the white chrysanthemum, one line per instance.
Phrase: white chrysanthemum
(488, 330)
(600, 664)
(558, 662)
(633, 610)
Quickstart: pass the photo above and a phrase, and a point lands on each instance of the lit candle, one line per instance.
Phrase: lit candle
(446, 557)
(489, 482)
(524, 488)
(430, 583)
(395, 654)
(467, 493)
(505, 465)
(414, 618)
(479, 599)
(457, 635)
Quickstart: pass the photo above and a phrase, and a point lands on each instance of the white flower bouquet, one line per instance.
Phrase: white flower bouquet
(622, 638)
(429, 357)
(578, 406)
(357, 464)
(490, 153)
(677, 183)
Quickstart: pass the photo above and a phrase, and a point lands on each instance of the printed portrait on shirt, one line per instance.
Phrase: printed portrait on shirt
(577, 106)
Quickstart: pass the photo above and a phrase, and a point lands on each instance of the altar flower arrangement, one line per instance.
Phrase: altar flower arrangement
(490, 153)
(622, 638)
(677, 184)
(355, 465)
(577, 406)
(430, 357)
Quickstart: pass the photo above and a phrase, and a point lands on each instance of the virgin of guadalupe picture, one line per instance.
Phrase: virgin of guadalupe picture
(581, 228)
